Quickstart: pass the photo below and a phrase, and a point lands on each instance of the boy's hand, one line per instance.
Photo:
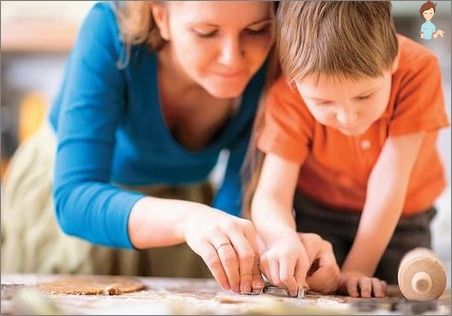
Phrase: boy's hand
(356, 284)
(301, 260)
(285, 263)
(324, 271)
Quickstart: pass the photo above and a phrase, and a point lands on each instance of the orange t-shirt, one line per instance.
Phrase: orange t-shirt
(335, 168)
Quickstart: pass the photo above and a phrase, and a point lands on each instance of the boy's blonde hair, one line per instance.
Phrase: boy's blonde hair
(338, 38)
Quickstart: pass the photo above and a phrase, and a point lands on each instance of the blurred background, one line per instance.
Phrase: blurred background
(36, 37)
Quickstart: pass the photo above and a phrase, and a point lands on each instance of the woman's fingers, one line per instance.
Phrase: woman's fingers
(245, 246)
(257, 283)
(213, 261)
(232, 257)
(228, 245)
(227, 261)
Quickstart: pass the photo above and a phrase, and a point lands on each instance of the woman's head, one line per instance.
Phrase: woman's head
(219, 45)
(335, 38)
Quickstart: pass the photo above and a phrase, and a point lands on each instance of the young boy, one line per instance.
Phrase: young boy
(349, 143)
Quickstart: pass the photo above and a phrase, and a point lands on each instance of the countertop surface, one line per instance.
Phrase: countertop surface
(176, 296)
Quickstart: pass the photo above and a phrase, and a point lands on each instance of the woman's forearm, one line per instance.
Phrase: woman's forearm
(156, 222)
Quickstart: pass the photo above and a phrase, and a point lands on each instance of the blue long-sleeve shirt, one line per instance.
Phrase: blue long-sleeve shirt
(111, 132)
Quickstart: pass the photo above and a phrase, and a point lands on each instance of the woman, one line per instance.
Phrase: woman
(152, 94)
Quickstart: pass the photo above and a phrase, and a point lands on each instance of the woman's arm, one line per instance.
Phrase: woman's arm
(226, 243)
(90, 108)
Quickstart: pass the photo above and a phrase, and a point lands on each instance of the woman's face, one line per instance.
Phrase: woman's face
(219, 45)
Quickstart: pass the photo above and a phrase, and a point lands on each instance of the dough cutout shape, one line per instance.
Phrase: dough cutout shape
(92, 285)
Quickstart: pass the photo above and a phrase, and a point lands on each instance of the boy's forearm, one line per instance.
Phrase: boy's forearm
(386, 193)
(379, 219)
(271, 218)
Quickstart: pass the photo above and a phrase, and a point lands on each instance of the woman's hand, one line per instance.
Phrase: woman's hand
(323, 274)
(228, 246)
(226, 243)
(356, 284)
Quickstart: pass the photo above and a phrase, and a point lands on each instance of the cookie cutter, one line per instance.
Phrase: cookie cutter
(274, 290)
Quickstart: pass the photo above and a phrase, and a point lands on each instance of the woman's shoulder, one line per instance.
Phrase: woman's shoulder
(99, 31)
(101, 17)
(103, 10)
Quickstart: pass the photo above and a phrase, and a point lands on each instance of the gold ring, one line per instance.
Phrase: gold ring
(223, 244)
(256, 260)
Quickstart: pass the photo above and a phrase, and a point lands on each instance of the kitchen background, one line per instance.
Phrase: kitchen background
(36, 37)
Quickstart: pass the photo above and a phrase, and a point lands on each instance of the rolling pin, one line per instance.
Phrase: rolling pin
(421, 275)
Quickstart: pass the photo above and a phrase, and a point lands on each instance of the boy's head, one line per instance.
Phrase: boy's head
(336, 38)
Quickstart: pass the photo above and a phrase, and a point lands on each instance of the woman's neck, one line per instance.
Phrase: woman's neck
(172, 76)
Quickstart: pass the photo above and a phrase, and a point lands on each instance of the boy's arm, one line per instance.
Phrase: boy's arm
(272, 201)
(386, 192)
(285, 260)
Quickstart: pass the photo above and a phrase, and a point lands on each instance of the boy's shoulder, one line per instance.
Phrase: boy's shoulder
(414, 53)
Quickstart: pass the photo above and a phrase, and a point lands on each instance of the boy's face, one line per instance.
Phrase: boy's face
(350, 107)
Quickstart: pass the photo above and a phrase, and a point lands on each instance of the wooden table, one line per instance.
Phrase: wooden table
(175, 296)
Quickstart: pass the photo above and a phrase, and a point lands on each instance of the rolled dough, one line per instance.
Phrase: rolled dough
(92, 285)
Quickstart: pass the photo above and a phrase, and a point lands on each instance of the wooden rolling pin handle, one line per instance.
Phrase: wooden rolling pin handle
(421, 282)
(421, 275)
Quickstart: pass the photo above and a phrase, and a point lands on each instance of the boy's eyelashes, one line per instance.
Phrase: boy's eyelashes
(360, 98)
(323, 103)
(364, 97)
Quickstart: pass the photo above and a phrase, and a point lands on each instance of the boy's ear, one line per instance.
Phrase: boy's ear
(395, 64)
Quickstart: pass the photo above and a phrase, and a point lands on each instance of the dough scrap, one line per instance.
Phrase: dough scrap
(92, 285)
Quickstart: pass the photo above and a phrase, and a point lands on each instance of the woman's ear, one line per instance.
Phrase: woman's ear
(160, 15)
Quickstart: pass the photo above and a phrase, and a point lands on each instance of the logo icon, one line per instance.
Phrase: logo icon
(428, 29)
